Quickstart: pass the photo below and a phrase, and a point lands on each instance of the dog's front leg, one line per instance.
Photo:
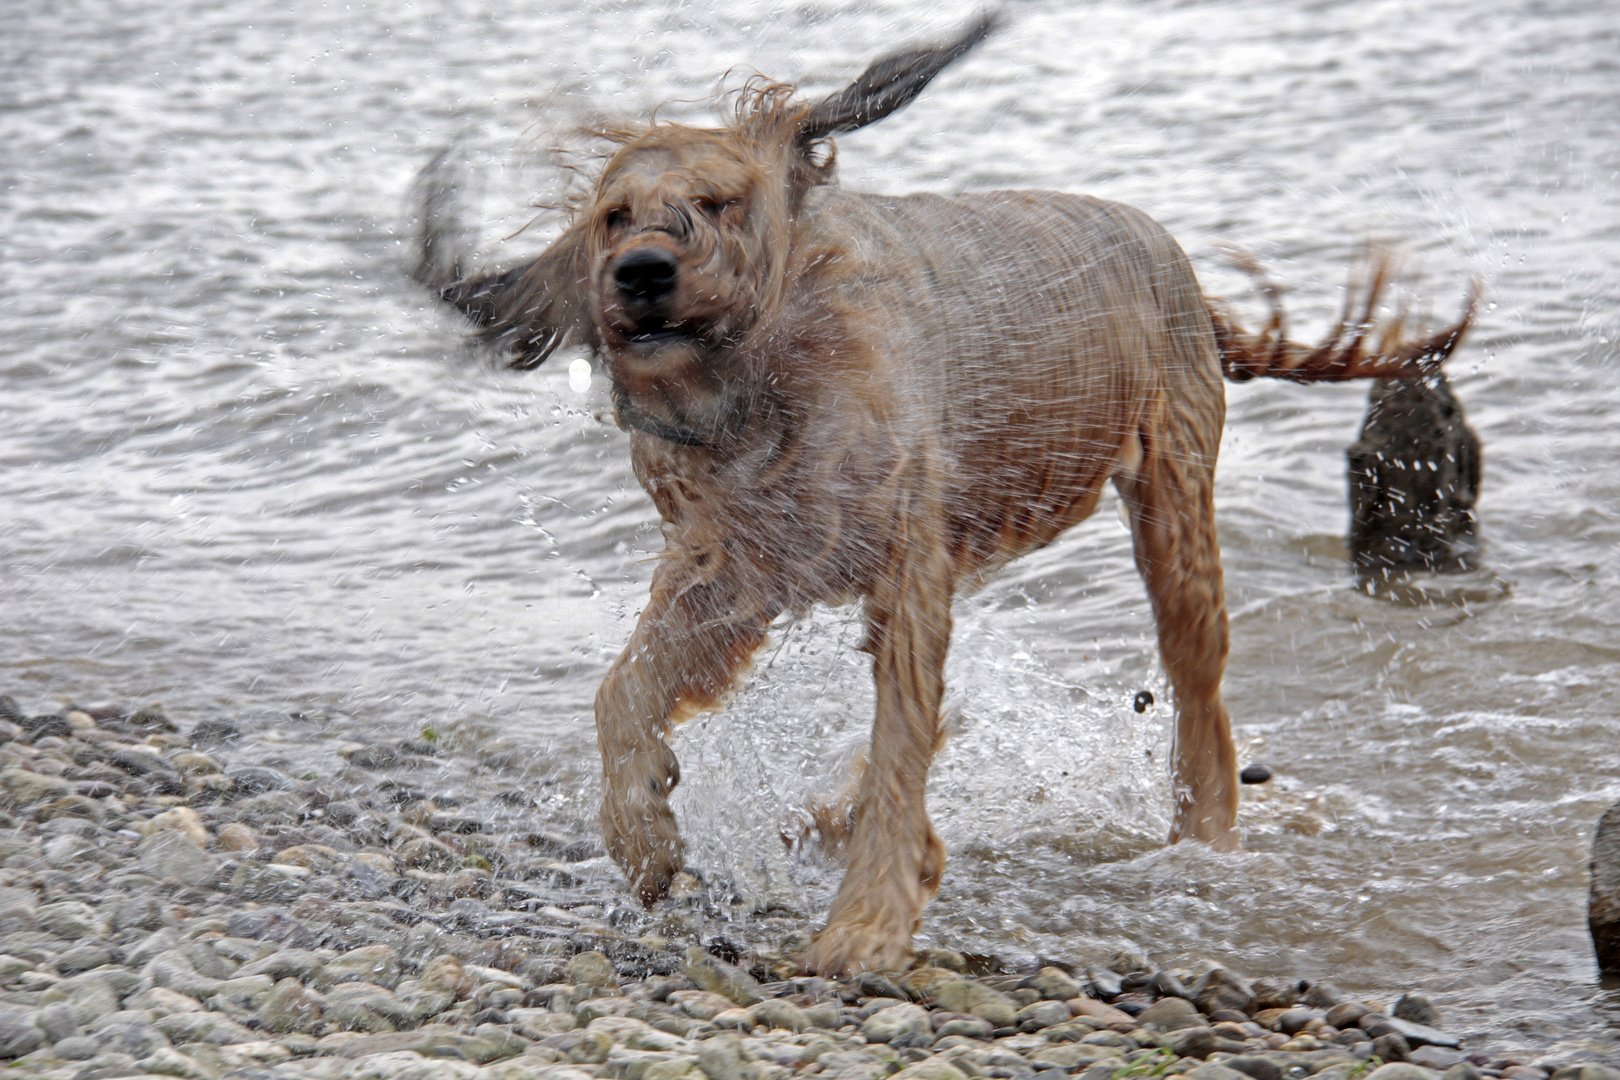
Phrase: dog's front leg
(895, 857)
(694, 635)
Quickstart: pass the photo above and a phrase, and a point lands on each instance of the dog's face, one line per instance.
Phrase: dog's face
(681, 229)
(686, 252)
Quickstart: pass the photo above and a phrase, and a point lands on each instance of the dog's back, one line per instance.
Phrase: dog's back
(1038, 332)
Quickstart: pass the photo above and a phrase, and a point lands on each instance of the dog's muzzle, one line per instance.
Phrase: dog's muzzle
(646, 278)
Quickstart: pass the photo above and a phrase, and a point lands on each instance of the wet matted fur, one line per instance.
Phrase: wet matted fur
(836, 397)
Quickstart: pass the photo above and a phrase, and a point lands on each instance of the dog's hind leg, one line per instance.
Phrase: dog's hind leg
(895, 857)
(1170, 496)
(694, 635)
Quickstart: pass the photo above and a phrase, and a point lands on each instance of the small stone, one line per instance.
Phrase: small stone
(1272, 993)
(1466, 1070)
(1293, 1021)
(168, 854)
(1321, 995)
(377, 964)
(70, 920)
(1417, 1009)
(235, 836)
(260, 884)
(375, 756)
(183, 820)
(593, 969)
(300, 964)
(19, 1034)
(1254, 1066)
(315, 857)
(253, 779)
(20, 787)
(976, 999)
(423, 853)
(934, 1068)
(780, 1015)
(1054, 984)
(1106, 1015)
(212, 732)
(902, 1025)
(57, 1021)
(1172, 1014)
(1347, 1013)
(153, 718)
(130, 1037)
(290, 1008)
(1391, 1047)
(1400, 1070)
(1211, 1071)
(1220, 989)
(1436, 1057)
(1192, 1042)
(717, 977)
(446, 974)
(1041, 1015)
(1586, 1070)
(84, 958)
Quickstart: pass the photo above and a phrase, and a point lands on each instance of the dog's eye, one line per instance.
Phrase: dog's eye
(713, 206)
(616, 217)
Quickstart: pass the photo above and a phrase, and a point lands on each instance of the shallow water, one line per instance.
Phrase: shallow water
(245, 467)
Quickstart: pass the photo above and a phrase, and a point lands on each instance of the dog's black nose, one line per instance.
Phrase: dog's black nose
(646, 274)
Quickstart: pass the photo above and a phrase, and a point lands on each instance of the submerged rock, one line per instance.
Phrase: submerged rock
(1603, 906)
(1414, 480)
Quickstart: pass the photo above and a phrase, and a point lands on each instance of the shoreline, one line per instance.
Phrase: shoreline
(169, 909)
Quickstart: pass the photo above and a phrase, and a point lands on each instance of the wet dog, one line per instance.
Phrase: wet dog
(835, 397)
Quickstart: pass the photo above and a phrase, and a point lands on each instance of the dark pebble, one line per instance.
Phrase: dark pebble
(580, 850)
(44, 727)
(10, 712)
(1258, 1067)
(270, 925)
(419, 746)
(153, 718)
(454, 823)
(137, 763)
(1255, 773)
(375, 756)
(1144, 701)
(1168, 985)
(95, 789)
(84, 958)
(215, 732)
(1104, 982)
(253, 779)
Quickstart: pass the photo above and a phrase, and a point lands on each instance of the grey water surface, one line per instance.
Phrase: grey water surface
(247, 469)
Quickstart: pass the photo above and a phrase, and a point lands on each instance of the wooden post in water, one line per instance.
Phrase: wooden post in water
(1414, 479)
(1603, 907)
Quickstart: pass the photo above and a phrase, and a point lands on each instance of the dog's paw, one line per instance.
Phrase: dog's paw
(825, 824)
(845, 949)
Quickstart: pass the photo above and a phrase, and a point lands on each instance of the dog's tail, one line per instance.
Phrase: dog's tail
(1363, 345)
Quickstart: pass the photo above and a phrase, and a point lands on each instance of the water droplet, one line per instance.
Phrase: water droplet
(579, 375)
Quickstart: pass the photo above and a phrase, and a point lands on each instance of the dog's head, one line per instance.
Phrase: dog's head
(682, 249)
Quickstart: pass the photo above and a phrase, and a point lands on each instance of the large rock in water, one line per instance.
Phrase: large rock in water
(1414, 479)
(1603, 909)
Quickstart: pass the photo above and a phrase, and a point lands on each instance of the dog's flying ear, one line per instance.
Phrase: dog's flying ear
(888, 84)
(530, 311)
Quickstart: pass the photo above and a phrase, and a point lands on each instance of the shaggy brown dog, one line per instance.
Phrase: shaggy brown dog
(835, 397)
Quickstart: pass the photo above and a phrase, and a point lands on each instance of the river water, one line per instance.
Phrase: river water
(246, 468)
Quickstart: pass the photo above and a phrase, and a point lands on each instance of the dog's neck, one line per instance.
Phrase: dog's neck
(630, 416)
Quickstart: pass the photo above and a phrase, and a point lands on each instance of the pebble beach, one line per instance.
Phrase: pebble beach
(170, 909)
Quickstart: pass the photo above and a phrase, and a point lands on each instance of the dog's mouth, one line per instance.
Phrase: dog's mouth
(655, 332)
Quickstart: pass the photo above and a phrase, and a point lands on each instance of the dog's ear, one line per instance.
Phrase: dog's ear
(888, 84)
(530, 311)
(533, 310)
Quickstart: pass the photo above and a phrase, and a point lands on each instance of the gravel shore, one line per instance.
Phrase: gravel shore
(168, 909)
